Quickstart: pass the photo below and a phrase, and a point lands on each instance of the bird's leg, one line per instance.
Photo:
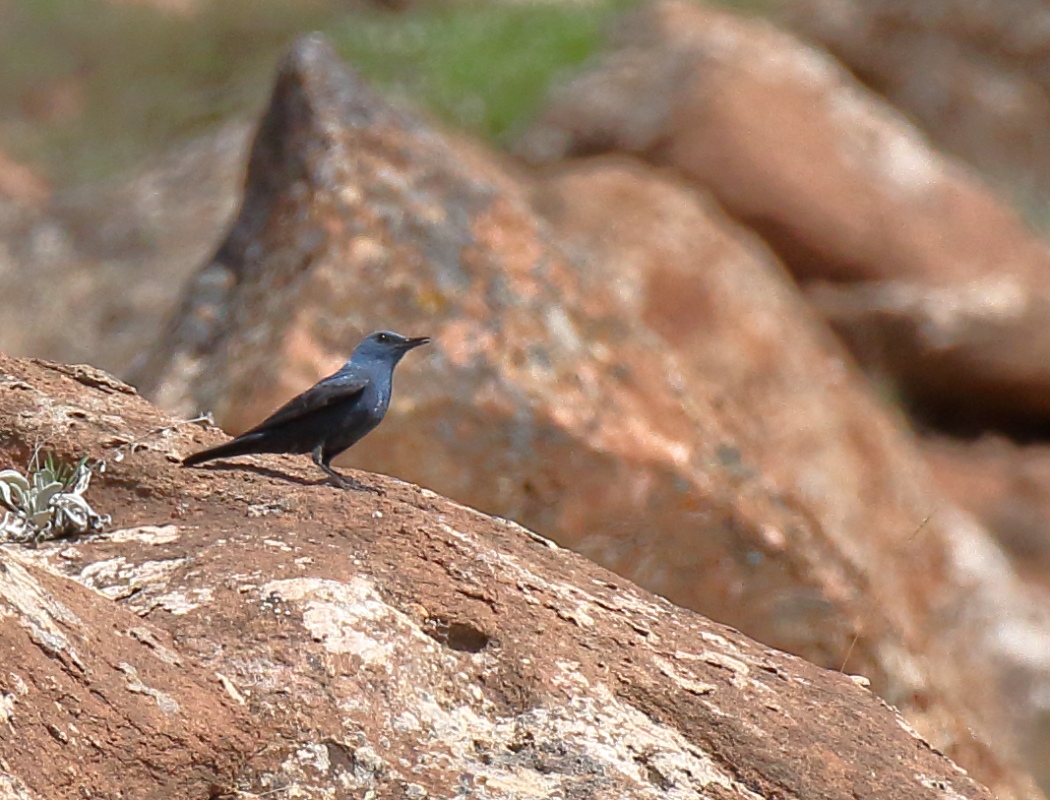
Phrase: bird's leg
(342, 481)
(319, 460)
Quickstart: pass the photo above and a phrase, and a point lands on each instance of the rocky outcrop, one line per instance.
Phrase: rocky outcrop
(252, 631)
(93, 274)
(975, 75)
(646, 413)
(933, 280)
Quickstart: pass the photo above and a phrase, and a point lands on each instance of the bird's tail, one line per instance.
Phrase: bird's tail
(242, 445)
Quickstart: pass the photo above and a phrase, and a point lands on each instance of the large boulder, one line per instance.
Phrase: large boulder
(934, 280)
(242, 634)
(975, 75)
(679, 416)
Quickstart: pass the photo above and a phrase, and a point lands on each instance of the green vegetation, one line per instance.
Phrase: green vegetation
(90, 87)
(483, 67)
(47, 502)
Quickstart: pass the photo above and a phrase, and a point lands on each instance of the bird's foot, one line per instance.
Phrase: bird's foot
(351, 485)
(347, 483)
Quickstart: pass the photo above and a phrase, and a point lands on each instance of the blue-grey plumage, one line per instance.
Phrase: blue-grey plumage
(332, 415)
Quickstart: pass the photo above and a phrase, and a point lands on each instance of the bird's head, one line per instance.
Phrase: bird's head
(386, 346)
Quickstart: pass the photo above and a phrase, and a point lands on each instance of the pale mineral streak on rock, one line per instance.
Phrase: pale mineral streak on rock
(165, 702)
(146, 534)
(149, 638)
(12, 788)
(178, 602)
(50, 624)
(689, 684)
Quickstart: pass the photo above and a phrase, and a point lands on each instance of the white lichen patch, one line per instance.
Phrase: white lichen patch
(116, 578)
(307, 772)
(577, 737)
(313, 755)
(546, 751)
(569, 676)
(581, 733)
(183, 601)
(349, 617)
(577, 614)
(144, 534)
(7, 709)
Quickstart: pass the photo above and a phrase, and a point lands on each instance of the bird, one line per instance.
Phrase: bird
(332, 415)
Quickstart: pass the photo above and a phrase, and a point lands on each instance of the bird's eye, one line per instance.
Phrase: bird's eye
(383, 338)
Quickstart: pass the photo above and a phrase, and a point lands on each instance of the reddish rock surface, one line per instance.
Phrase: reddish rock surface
(252, 632)
(586, 401)
(975, 75)
(946, 288)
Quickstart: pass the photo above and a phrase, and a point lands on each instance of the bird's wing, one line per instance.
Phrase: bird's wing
(333, 389)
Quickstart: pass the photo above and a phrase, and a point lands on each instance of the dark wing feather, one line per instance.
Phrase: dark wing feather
(333, 389)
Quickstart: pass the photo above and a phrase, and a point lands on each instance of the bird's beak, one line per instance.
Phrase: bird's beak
(420, 340)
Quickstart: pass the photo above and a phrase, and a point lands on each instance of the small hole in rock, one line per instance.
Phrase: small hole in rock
(339, 756)
(461, 636)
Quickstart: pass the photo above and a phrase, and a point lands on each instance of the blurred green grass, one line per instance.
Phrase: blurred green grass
(481, 67)
(88, 88)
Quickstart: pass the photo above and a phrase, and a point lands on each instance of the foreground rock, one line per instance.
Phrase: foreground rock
(252, 631)
(975, 75)
(937, 282)
(694, 454)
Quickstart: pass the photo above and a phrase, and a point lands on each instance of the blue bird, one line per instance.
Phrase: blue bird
(331, 416)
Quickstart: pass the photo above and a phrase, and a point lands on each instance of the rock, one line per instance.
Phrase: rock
(398, 644)
(975, 75)
(937, 282)
(677, 263)
(1006, 486)
(93, 696)
(588, 404)
(94, 274)
(20, 185)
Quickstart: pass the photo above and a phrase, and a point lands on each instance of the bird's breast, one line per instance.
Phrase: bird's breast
(377, 400)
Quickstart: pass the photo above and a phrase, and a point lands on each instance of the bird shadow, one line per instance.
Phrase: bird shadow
(277, 474)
